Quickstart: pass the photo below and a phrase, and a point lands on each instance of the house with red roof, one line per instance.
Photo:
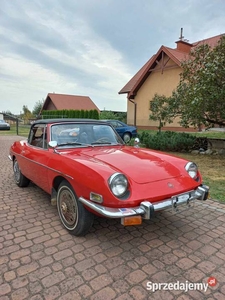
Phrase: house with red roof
(159, 75)
(62, 101)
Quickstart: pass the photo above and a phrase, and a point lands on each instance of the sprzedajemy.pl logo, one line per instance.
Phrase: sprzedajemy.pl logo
(181, 286)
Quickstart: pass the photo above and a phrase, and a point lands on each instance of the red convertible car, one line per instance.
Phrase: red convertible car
(88, 170)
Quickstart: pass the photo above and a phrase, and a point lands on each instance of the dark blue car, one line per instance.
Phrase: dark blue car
(125, 131)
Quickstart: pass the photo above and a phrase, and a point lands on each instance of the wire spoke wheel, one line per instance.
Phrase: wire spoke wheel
(16, 171)
(73, 215)
(68, 207)
(21, 180)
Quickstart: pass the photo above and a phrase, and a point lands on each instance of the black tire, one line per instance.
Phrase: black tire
(73, 215)
(126, 137)
(20, 179)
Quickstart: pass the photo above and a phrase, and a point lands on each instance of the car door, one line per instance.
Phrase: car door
(37, 155)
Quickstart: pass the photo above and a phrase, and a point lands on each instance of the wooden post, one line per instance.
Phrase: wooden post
(17, 126)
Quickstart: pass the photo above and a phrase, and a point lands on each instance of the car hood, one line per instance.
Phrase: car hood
(140, 165)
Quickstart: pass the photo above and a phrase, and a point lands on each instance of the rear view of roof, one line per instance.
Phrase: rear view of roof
(175, 54)
(62, 101)
(212, 42)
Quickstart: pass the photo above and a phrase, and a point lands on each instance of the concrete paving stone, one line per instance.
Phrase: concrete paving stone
(89, 274)
(71, 295)
(85, 291)
(101, 269)
(52, 293)
(138, 292)
(40, 260)
(104, 293)
(22, 293)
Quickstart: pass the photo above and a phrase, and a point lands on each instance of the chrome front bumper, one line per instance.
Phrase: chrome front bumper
(146, 208)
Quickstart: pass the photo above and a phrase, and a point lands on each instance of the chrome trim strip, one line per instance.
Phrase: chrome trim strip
(110, 212)
(146, 208)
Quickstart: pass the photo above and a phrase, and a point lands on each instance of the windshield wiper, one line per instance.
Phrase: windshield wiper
(101, 143)
(73, 144)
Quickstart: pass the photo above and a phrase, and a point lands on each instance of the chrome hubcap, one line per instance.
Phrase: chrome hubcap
(64, 207)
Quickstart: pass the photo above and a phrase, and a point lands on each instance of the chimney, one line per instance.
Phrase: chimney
(183, 45)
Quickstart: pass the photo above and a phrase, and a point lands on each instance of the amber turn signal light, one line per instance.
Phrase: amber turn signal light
(133, 220)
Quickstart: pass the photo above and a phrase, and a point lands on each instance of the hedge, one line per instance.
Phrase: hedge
(70, 113)
(168, 141)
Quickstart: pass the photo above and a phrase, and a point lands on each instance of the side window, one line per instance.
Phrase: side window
(114, 124)
(38, 136)
(118, 124)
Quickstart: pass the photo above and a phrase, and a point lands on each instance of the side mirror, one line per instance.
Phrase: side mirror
(52, 144)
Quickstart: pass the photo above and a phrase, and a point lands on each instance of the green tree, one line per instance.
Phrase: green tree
(95, 114)
(82, 113)
(107, 115)
(122, 116)
(37, 107)
(110, 115)
(200, 95)
(27, 114)
(8, 112)
(160, 110)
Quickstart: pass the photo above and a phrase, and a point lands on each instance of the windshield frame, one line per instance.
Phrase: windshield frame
(78, 134)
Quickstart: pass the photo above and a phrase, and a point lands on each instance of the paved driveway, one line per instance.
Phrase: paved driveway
(40, 260)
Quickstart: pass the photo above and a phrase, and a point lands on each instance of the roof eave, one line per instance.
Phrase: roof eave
(145, 74)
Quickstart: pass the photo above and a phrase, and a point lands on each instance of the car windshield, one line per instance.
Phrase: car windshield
(75, 134)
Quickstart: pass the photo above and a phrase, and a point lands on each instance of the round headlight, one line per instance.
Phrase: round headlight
(118, 184)
(192, 169)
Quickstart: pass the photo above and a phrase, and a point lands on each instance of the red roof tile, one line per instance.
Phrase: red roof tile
(212, 42)
(176, 55)
(62, 101)
(128, 87)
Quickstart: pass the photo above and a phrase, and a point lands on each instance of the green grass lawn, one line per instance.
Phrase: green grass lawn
(210, 134)
(23, 130)
(212, 168)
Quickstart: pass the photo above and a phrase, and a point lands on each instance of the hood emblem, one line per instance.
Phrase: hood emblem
(170, 185)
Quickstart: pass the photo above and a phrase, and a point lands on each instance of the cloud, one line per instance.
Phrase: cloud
(90, 47)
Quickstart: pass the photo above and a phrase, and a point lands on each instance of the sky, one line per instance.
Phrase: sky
(90, 47)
